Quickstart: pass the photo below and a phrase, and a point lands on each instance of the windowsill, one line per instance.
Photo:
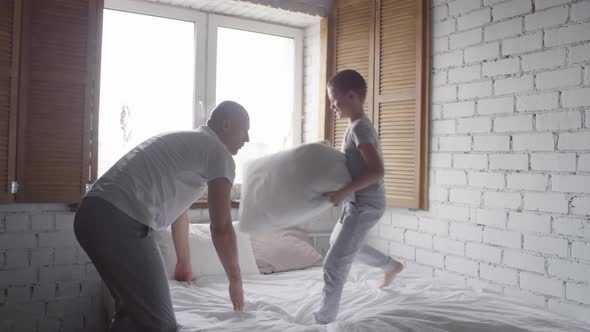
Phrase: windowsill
(195, 206)
(205, 205)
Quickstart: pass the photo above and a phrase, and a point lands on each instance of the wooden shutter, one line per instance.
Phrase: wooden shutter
(397, 44)
(401, 98)
(10, 13)
(58, 74)
(353, 35)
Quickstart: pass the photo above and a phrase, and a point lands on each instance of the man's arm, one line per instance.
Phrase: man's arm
(183, 270)
(224, 237)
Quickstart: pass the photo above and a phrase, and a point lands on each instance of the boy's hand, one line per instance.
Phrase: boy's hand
(336, 197)
(183, 272)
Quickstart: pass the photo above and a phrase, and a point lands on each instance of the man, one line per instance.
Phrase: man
(149, 188)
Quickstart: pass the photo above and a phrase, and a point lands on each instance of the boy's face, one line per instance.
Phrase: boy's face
(344, 104)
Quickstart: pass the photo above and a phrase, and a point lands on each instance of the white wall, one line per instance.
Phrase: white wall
(510, 154)
(47, 282)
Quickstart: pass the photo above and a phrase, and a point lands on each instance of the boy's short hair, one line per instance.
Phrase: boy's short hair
(349, 80)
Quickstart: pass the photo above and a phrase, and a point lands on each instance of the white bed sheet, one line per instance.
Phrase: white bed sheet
(285, 302)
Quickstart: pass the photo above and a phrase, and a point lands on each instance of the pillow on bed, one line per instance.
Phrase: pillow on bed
(284, 250)
(204, 259)
(285, 188)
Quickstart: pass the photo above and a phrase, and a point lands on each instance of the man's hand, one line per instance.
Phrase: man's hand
(183, 272)
(224, 237)
(236, 294)
(336, 197)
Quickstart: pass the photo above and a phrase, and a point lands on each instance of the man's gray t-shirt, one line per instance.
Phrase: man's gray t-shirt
(361, 131)
(160, 178)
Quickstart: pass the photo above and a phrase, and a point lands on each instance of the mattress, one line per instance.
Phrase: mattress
(414, 302)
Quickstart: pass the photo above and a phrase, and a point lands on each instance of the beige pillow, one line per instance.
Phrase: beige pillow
(284, 250)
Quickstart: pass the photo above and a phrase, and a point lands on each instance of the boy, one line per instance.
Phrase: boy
(364, 197)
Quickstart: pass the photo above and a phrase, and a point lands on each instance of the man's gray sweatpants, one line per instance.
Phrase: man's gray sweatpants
(346, 244)
(128, 259)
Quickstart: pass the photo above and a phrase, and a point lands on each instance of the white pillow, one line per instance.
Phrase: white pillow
(204, 259)
(284, 250)
(285, 188)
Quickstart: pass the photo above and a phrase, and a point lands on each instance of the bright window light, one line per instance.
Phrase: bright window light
(147, 81)
(257, 71)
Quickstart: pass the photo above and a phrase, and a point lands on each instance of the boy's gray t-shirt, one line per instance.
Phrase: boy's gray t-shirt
(361, 131)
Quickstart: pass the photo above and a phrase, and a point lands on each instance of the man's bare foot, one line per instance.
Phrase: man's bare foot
(388, 277)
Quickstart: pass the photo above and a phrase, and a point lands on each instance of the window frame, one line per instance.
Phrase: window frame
(205, 62)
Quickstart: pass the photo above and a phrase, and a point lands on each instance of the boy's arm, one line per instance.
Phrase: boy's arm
(183, 271)
(375, 172)
(224, 237)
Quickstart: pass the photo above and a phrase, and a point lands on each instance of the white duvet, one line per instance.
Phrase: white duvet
(285, 302)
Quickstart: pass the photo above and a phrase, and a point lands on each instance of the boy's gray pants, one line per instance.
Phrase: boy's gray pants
(127, 257)
(346, 244)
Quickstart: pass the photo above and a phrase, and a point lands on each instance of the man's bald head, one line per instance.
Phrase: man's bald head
(231, 123)
(227, 111)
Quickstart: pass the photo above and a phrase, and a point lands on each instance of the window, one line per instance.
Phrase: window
(147, 81)
(154, 77)
(257, 66)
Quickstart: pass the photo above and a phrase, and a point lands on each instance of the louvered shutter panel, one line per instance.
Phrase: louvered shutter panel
(10, 11)
(353, 26)
(58, 72)
(401, 98)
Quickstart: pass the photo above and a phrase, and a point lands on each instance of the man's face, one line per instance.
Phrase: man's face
(235, 133)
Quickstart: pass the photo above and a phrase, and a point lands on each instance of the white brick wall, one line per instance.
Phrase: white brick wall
(502, 30)
(537, 102)
(559, 78)
(547, 18)
(482, 52)
(501, 67)
(533, 142)
(465, 74)
(571, 34)
(525, 43)
(466, 38)
(471, 161)
(541, 284)
(513, 123)
(546, 245)
(46, 272)
(511, 9)
(559, 121)
(543, 60)
(524, 181)
(512, 167)
(576, 97)
(543, 4)
(524, 261)
(49, 282)
(556, 162)
(474, 19)
(495, 106)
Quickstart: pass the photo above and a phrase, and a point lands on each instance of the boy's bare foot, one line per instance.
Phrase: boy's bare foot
(388, 277)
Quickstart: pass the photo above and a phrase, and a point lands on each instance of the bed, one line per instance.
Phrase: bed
(285, 302)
